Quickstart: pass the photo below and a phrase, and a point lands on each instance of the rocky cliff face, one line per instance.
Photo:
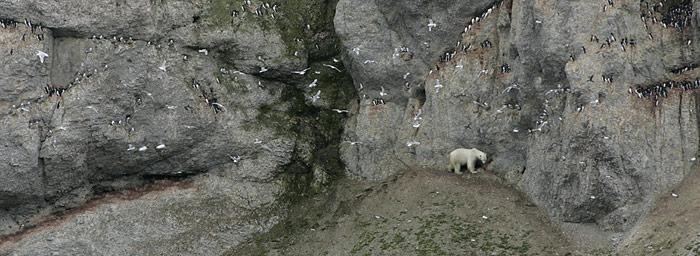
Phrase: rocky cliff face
(536, 85)
(587, 107)
(147, 93)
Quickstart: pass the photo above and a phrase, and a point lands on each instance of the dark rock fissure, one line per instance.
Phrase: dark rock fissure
(680, 122)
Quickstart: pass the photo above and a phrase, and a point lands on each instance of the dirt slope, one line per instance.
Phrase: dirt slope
(672, 228)
(416, 213)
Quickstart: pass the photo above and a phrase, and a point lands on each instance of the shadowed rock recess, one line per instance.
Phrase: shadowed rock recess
(237, 127)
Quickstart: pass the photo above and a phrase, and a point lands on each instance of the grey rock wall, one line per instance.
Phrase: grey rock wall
(583, 149)
(136, 94)
(227, 94)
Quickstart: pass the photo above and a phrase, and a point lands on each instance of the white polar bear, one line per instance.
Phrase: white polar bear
(461, 156)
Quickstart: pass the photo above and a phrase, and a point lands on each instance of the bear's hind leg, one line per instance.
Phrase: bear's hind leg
(457, 169)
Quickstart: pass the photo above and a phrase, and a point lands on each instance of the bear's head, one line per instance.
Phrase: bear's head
(481, 156)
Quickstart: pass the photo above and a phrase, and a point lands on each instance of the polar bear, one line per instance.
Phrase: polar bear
(462, 156)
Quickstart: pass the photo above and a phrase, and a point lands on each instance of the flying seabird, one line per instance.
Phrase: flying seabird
(301, 72)
(500, 110)
(163, 67)
(42, 56)
(412, 143)
(314, 83)
(539, 128)
(340, 111)
(509, 88)
(331, 66)
(431, 25)
(93, 108)
(205, 51)
(235, 159)
(416, 123)
(316, 97)
(382, 93)
(218, 105)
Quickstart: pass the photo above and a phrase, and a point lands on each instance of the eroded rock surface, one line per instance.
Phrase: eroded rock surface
(529, 85)
(589, 108)
(133, 94)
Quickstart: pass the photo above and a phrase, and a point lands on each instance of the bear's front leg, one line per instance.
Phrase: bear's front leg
(470, 165)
